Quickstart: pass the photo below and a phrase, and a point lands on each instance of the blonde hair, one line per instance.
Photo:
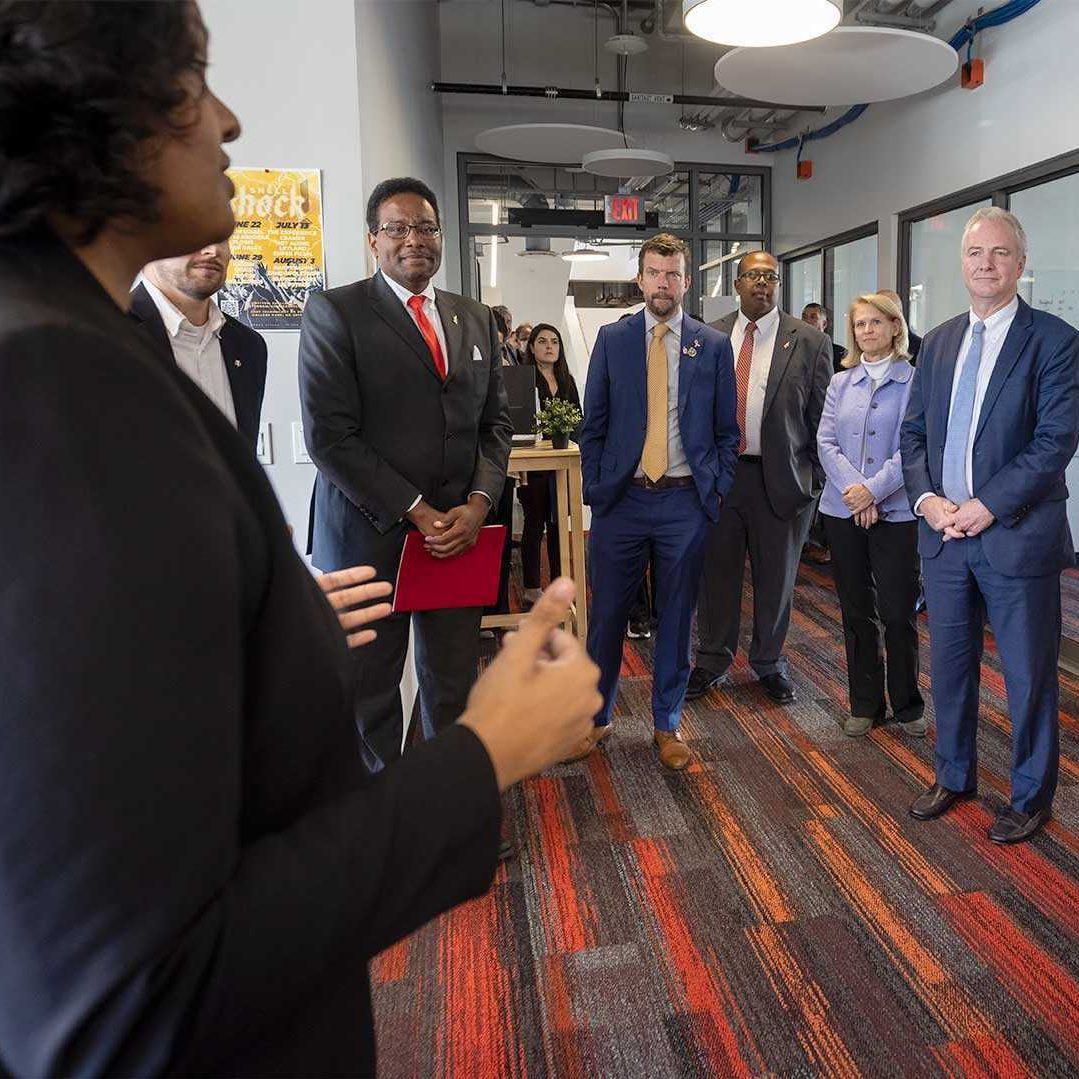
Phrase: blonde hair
(890, 309)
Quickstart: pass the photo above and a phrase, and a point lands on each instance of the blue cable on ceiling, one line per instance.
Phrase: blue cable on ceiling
(963, 36)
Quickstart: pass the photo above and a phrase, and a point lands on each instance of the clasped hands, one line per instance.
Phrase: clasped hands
(453, 532)
(956, 522)
(863, 506)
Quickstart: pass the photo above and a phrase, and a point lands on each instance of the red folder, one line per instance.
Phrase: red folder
(469, 579)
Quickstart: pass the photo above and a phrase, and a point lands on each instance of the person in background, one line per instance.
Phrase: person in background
(816, 315)
(783, 369)
(993, 423)
(520, 336)
(174, 304)
(867, 519)
(544, 351)
(406, 421)
(655, 477)
(507, 346)
(815, 549)
(195, 868)
(915, 342)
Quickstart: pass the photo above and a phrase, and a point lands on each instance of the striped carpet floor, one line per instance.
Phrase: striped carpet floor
(771, 911)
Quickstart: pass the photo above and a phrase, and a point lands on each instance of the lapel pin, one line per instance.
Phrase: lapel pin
(455, 320)
(237, 363)
(786, 344)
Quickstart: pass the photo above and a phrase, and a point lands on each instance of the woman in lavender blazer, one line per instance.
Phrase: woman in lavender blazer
(867, 517)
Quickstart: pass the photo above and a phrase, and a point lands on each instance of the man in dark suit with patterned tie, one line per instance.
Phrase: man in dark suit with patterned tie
(992, 423)
(657, 457)
(406, 419)
(783, 368)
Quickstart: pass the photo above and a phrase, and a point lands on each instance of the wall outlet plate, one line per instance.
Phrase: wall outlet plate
(299, 447)
(264, 444)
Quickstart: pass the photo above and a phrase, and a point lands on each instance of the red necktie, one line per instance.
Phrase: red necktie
(415, 304)
(741, 378)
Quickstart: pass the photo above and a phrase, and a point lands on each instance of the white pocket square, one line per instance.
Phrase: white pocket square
(477, 356)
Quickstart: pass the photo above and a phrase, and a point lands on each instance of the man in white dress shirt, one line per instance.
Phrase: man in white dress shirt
(782, 369)
(174, 303)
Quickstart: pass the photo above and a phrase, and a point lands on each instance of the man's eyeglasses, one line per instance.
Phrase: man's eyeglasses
(399, 230)
(770, 276)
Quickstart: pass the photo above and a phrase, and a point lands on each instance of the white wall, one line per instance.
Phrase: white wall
(900, 154)
(291, 79)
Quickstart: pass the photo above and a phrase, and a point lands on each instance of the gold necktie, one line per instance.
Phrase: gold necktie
(654, 458)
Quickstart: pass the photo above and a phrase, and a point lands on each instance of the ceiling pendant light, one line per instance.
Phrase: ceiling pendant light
(584, 253)
(759, 23)
(624, 162)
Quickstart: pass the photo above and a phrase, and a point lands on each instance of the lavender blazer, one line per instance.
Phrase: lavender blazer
(858, 440)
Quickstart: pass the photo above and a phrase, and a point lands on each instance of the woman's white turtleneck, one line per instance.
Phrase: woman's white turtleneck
(877, 369)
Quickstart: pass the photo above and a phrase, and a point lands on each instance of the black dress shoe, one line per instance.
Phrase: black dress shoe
(935, 801)
(506, 850)
(701, 680)
(1011, 826)
(778, 687)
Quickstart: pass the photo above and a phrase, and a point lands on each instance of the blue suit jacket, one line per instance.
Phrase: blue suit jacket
(616, 415)
(1027, 433)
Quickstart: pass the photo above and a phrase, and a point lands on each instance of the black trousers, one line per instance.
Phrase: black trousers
(447, 647)
(502, 514)
(876, 577)
(539, 502)
(747, 524)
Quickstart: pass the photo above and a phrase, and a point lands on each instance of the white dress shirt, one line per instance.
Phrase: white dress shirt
(197, 349)
(997, 326)
(764, 343)
(430, 309)
(676, 454)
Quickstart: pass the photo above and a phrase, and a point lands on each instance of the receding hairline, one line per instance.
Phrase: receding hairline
(744, 260)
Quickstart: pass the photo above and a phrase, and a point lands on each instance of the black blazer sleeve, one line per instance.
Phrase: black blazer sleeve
(332, 411)
(146, 924)
(495, 428)
(819, 376)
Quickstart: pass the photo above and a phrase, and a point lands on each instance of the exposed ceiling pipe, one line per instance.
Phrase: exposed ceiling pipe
(558, 92)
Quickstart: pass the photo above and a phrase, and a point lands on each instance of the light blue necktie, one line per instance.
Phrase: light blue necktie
(955, 444)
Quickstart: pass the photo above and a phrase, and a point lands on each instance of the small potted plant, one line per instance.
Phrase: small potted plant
(558, 420)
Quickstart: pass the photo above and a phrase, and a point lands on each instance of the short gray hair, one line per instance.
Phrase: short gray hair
(996, 213)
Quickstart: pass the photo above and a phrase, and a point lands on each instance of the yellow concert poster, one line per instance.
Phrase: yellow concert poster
(277, 253)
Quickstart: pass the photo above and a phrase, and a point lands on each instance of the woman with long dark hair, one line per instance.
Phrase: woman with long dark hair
(194, 867)
(546, 353)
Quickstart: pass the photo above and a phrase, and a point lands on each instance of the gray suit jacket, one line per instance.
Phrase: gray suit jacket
(793, 402)
(380, 424)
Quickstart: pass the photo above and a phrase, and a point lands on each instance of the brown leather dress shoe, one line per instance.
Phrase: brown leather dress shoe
(588, 743)
(673, 752)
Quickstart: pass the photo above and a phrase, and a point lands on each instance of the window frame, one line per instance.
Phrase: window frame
(695, 236)
(826, 249)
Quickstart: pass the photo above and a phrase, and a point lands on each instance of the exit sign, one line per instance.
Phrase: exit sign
(623, 210)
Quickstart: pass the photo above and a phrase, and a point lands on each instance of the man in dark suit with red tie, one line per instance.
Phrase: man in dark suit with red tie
(405, 417)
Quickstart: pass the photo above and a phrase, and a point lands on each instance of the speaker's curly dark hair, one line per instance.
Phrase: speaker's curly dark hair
(86, 90)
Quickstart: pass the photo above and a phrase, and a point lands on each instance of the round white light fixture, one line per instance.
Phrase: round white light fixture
(584, 253)
(548, 144)
(760, 22)
(622, 163)
(626, 44)
(853, 65)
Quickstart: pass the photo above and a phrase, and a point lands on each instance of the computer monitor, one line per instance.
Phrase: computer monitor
(520, 383)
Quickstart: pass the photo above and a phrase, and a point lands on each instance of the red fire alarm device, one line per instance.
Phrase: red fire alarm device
(805, 170)
(972, 74)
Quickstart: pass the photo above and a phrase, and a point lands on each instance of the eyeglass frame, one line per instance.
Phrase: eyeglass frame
(408, 229)
(761, 275)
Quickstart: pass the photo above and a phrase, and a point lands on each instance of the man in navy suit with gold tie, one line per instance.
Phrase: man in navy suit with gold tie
(992, 423)
(657, 457)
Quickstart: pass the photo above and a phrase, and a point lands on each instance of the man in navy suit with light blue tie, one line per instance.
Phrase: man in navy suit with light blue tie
(658, 452)
(992, 423)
